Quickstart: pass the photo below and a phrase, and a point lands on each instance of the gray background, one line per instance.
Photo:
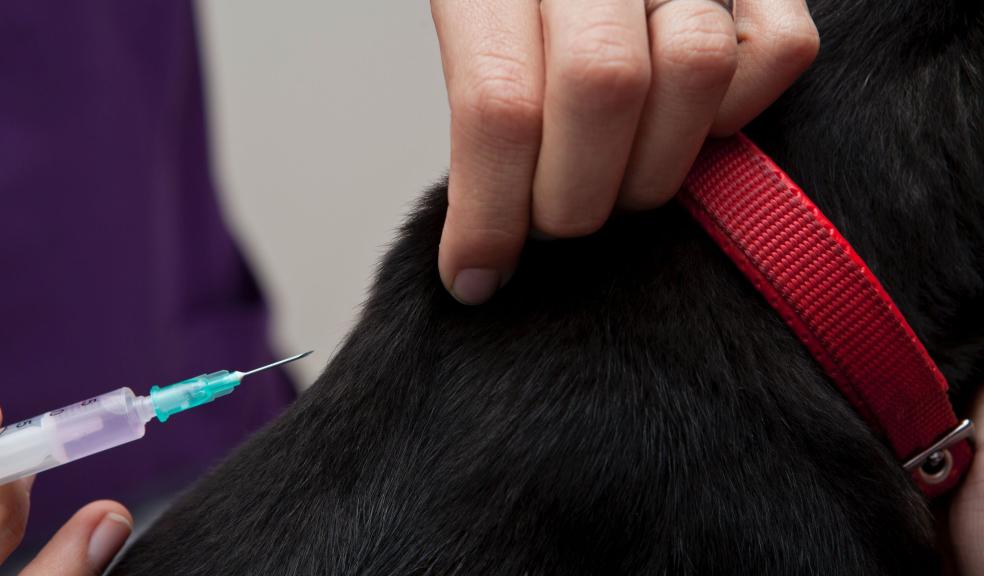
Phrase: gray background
(327, 120)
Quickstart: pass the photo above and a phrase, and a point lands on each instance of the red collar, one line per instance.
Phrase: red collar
(809, 273)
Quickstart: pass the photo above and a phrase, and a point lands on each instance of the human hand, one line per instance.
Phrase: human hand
(84, 546)
(563, 109)
(966, 514)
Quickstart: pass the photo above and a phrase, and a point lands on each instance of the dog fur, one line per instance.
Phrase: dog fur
(628, 404)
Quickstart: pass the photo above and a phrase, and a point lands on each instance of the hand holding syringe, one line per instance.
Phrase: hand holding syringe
(61, 436)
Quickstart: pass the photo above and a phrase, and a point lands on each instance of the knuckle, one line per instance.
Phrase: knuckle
(501, 237)
(487, 219)
(797, 42)
(604, 67)
(703, 50)
(502, 102)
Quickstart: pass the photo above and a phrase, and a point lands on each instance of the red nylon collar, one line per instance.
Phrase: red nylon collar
(810, 274)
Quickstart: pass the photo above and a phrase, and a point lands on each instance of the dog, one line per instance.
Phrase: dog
(628, 403)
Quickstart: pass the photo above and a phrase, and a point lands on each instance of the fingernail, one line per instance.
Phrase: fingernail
(107, 539)
(475, 285)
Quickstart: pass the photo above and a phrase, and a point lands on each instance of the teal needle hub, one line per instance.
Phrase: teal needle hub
(187, 394)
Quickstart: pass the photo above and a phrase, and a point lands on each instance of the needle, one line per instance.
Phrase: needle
(277, 363)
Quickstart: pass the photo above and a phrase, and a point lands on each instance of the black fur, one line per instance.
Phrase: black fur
(628, 404)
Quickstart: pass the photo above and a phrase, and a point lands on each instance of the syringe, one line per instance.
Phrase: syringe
(61, 436)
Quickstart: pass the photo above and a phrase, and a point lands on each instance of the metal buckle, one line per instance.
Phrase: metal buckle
(938, 453)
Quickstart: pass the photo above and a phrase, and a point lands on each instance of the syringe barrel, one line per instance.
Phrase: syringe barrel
(70, 433)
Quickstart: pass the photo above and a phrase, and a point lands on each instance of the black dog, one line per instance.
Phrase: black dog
(628, 404)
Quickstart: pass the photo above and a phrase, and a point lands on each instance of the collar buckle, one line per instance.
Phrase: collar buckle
(938, 455)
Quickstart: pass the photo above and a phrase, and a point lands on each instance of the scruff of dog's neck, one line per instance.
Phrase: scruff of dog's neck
(628, 404)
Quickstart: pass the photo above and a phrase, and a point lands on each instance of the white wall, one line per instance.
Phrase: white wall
(328, 118)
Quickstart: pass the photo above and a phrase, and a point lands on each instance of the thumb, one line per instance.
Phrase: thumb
(86, 544)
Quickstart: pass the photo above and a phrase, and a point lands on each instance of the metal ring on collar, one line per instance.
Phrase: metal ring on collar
(937, 458)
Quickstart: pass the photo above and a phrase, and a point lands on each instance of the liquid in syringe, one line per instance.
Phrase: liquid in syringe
(106, 421)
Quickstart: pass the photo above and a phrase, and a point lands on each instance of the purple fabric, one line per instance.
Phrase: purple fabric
(118, 269)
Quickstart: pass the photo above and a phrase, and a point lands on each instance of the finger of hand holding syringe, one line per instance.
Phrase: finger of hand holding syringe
(84, 546)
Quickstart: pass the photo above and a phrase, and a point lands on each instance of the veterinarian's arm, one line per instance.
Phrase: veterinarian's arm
(563, 109)
(83, 547)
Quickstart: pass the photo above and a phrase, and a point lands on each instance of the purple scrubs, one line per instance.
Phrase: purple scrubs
(117, 267)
